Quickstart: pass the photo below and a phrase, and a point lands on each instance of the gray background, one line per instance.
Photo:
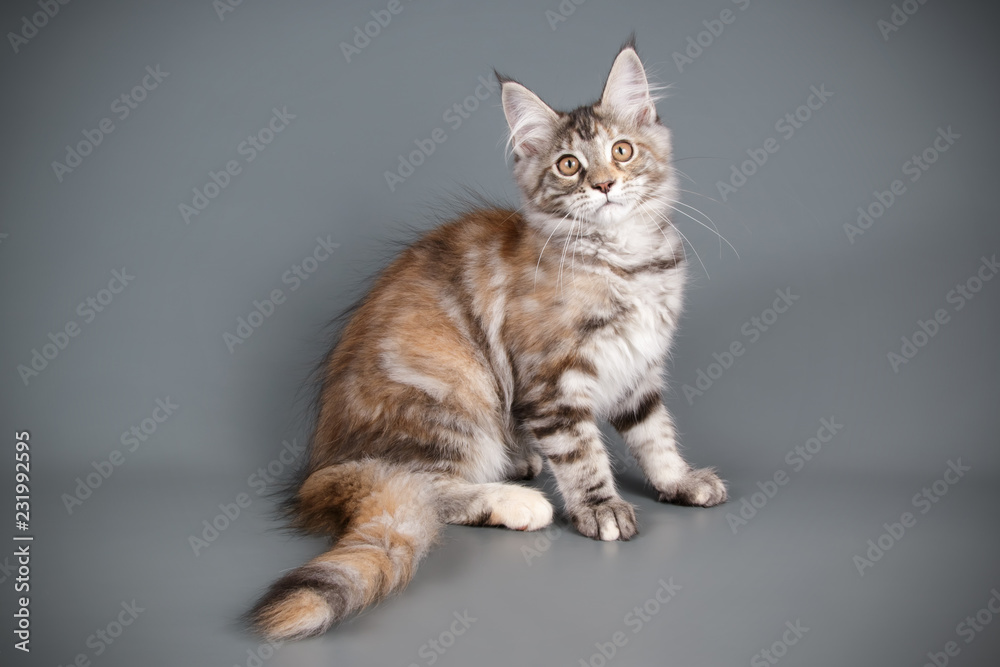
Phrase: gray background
(323, 176)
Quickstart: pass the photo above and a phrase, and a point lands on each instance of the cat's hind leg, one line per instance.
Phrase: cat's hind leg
(527, 464)
(493, 504)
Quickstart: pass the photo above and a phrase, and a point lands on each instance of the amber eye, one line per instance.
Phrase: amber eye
(568, 165)
(621, 151)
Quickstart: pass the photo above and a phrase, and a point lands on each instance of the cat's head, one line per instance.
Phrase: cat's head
(599, 164)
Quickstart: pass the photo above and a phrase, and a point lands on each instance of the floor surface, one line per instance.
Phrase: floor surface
(696, 587)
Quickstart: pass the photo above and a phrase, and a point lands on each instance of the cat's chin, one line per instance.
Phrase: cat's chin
(611, 214)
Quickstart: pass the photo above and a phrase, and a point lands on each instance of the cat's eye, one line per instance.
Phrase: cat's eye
(621, 151)
(568, 165)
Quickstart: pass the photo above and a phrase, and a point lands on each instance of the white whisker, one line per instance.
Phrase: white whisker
(666, 219)
(562, 259)
(652, 215)
(670, 203)
(542, 251)
(713, 199)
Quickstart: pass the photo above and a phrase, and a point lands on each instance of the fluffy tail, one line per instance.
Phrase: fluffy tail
(386, 519)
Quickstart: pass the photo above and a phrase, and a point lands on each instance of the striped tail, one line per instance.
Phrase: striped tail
(386, 520)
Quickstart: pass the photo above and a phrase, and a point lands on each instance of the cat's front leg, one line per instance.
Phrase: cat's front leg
(567, 434)
(648, 430)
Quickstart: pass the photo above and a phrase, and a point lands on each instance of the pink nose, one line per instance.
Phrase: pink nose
(604, 187)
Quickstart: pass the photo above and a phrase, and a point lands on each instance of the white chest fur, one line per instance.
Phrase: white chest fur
(636, 344)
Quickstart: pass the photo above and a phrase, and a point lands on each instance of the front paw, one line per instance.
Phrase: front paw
(698, 488)
(613, 519)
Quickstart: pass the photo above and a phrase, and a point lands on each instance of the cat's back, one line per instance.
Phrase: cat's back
(478, 237)
(427, 301)
(416, 332)
(458, 259)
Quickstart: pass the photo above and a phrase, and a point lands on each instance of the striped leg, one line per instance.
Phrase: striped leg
(649, 432)
(569, 437)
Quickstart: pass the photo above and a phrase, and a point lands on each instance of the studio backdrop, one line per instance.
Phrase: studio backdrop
(192, 192)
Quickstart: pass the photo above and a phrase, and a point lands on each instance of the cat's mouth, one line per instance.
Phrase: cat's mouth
(600, 202)
(609, 205)
(604, 210)
(609, 211)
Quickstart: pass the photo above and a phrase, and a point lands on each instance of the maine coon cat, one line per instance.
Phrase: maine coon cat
(494, 344)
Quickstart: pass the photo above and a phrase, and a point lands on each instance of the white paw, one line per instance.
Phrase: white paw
(521, 508)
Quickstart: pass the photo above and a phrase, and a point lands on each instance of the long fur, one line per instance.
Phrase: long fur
(494, 342)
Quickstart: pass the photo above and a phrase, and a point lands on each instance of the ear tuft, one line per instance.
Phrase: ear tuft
(531, 121)
(627, 92)
(629, 43)
(501, 77)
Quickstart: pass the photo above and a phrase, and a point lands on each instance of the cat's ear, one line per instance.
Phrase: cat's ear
(531, 120)
(627, 93)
